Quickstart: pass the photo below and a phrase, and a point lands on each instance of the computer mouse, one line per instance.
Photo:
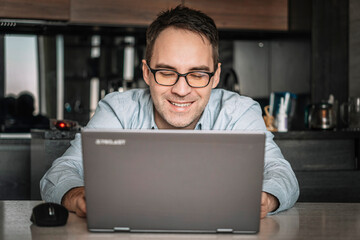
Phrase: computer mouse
(49, 215)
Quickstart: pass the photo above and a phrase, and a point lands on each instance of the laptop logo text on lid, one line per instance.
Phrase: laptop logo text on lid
(117, 142)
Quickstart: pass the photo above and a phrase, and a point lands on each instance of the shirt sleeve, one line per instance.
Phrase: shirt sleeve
(67, 171)
(279, 178)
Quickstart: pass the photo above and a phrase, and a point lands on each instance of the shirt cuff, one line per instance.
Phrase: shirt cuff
(274, 189)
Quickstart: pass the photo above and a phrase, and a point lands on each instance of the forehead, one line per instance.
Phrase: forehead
(182, 48)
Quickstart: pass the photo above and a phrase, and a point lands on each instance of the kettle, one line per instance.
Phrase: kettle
(321, 116)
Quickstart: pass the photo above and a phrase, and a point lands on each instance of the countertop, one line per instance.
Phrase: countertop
(317, 134)
(298, 135)
(303, 221)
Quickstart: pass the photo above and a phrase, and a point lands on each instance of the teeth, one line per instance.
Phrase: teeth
(181, 104)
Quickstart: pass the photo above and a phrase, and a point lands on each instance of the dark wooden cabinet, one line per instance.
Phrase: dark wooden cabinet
(14, 168)
(326, 164)
(245, 14)
(330, 50)
(118, 12)
(319, 154)
(35, 9)
(229, 14)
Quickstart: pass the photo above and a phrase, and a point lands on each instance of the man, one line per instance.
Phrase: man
(181, 69)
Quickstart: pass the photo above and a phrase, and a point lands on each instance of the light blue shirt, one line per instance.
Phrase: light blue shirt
(133, 109)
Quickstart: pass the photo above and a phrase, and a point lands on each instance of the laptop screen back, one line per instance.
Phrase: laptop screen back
(173, 181)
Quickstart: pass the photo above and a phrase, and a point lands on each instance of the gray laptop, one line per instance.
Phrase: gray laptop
(173, 180)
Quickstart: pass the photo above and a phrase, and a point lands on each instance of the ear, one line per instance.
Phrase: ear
(216, 76)
(146, 72)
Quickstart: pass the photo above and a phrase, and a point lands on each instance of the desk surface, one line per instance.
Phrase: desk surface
(304, 221)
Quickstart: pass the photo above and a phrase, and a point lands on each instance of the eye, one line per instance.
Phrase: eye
(198, 75)
(167, 73)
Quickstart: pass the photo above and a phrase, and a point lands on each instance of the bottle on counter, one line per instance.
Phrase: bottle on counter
(282, 118)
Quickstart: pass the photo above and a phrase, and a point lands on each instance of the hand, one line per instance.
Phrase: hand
(74, 201)
(269, 203)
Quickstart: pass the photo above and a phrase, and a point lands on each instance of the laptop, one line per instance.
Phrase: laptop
(174, 181)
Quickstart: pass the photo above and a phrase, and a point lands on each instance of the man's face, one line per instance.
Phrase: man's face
(180, 106)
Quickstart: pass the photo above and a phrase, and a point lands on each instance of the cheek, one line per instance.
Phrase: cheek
(205, 93)
(156, 91)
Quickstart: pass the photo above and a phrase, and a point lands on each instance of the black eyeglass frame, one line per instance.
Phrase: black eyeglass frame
(153, 71)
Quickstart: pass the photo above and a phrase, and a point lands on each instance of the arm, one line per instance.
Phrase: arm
(279, 178)
(65, 173)
(63, 183)
(280, 186)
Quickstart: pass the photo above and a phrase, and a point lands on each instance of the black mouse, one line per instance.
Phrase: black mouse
(49, 215)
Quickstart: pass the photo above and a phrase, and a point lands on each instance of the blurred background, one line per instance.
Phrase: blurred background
(59, 58)
(68, 55)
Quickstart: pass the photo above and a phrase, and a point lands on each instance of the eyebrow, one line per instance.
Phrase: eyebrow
(196, 68)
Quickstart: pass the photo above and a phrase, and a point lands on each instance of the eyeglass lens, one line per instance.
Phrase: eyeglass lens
(195, 79)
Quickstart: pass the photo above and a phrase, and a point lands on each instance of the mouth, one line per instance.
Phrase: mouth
(181, 104)
(177, 104)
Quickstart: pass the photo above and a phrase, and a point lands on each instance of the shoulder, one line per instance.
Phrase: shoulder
(230, 110)
(126, 101)
(128, 109)
(130, 96)
(231, 101)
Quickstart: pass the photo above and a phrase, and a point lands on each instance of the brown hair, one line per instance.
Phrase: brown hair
(183, 18)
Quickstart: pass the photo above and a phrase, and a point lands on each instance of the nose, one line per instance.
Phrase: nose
(181, 87)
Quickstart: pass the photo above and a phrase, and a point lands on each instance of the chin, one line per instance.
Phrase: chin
(180, 124)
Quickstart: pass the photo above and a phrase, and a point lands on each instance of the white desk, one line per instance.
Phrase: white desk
(304, 221)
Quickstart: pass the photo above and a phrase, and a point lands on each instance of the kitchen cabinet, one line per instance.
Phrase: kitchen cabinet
(354, 50)
(229, 14)
(14, 166)
(330, 51)
(252, 66)
(245, 14)
(265, 66)
(118, 12)
(326, 164)
(35, 9)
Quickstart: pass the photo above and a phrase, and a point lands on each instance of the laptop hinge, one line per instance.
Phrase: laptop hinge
(122, 229)
(224, 230)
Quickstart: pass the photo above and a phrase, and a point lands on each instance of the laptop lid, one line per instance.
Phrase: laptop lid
(173, 180)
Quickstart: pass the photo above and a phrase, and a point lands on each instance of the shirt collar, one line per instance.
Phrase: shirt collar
(152, 123)
(204, 121)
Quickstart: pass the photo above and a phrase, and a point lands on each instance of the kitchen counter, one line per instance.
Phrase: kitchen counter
(53, 134)
(304, 221)
(317, 134)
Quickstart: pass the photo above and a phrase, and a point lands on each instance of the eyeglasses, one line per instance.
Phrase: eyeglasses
(195, 79)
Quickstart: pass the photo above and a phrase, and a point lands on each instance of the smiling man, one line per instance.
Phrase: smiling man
(180, 100)
(181, 68)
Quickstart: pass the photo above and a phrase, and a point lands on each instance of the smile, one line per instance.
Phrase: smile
(180, 104)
